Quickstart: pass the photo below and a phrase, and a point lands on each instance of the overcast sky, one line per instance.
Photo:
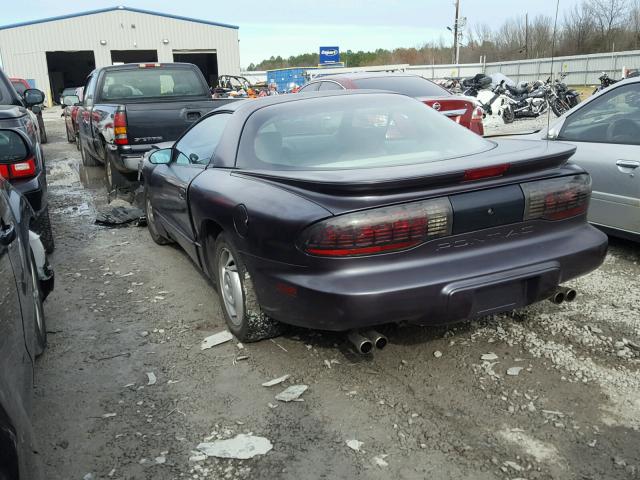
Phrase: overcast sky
(289, 27)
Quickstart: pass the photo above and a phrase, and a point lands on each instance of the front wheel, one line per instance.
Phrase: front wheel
(151, 221)
(42, 226)
(559, 107)
(39, 321)
(238, 299)
(508, 115)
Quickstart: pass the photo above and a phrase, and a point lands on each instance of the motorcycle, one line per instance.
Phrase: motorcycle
(529, 100)
(496, 102)
(605, 82)
(471, 86)
(562, 99)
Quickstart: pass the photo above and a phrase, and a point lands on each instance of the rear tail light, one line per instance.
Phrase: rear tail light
(379, 230)
(557, 198)
(22, 169)
(148, 65)
(477, 115)
(120, 127)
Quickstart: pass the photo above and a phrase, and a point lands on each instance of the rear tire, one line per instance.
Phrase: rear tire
(113, 177)
(87, 160)
(43, 132)
(70, 137)
(42, 226)
(151, 222)
(238, 300)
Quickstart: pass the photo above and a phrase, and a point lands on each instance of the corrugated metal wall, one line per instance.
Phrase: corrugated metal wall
(580, 69)
(23, 49)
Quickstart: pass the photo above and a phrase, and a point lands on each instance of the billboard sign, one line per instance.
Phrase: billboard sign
(329, 55)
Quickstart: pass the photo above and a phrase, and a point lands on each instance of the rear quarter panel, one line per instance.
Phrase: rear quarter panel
(276, 215)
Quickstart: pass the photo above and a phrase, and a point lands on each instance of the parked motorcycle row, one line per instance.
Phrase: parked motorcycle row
(501, 97)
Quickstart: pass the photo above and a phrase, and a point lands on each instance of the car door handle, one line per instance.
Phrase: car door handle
(182, 193)
(7, 234)
(628, 163)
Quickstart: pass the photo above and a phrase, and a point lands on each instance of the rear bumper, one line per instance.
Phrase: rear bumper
(34, 190)
(126, 160)
(443, 281)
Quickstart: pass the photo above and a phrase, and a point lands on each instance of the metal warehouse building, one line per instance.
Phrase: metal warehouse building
(56, 53)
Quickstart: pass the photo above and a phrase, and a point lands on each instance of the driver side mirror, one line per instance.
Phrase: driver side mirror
(160, 157)
(33, 96)
(71, 100)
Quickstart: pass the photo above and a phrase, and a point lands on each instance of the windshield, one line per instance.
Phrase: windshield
(142, 83)
(351, 132)
(410, 86)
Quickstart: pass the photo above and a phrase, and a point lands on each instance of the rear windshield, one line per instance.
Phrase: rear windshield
(351, 132)
(143, 83)
(410, 86)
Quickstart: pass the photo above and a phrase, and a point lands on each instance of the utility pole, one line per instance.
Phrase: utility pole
(456, 44)
(526, 35)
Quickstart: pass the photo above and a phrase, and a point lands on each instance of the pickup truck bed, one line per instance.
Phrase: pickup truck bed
(129, 108)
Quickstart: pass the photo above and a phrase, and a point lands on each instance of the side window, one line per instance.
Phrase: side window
(612, 118)
(330, 86)
(199, 143)
(89, 91)
(311, 87)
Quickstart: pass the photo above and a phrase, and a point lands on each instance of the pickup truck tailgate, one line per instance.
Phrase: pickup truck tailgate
(163, 122)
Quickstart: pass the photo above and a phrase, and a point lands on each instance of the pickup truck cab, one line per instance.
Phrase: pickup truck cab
(129, 108)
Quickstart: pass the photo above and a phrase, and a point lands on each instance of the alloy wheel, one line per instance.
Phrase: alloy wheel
(230, 286)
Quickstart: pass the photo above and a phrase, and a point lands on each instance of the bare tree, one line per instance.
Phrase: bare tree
(608, 15)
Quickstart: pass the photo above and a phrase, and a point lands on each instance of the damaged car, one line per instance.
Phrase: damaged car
(346, 210)
(25, 281)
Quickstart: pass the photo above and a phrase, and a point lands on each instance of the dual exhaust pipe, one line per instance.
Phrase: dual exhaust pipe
(363, 342)
(563, 294)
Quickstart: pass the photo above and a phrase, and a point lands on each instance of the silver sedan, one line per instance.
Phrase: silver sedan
(606, 131)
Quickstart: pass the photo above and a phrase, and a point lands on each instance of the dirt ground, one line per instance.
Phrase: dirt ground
(428, 406)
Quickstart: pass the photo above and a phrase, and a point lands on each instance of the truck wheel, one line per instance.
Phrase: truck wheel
(42, 226)
(87, 160)
(151, 221)
(238, 300)
(39, 320)
(70, 137)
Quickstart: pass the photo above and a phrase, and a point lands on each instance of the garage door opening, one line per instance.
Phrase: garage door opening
(207, 62)
(68, 69)
(133, 56)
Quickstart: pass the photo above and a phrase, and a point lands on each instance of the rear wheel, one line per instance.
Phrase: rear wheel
(151, 222)
(42, 226)
(238, 299)
(43, 132)
(114, 178)
(87, 160)
(70, 136)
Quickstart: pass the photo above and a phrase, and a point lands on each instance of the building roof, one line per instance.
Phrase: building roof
(112, 9)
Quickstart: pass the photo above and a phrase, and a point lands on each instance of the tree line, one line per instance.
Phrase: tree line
(592, 26)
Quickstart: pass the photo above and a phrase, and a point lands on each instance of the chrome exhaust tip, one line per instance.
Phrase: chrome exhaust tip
(557, 297)
(361, 343)
(570, 294)
(378, 339)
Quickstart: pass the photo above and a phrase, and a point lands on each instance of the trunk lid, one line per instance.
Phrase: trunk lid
(340, 191)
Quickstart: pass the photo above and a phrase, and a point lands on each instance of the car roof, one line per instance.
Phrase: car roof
(132, 66)
(249, 105)
(363, 75)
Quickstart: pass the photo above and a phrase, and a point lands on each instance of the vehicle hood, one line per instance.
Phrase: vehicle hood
(523, 156)
(11, 111)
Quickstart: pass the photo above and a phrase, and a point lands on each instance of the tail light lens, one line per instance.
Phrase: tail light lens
(120, 127)
(557, 198)
(379, 230)
(22, 169)
(477, 115)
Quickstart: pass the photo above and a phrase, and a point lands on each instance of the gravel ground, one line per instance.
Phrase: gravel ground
(428, 406)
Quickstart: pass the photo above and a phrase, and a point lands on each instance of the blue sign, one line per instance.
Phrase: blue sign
(329, 55)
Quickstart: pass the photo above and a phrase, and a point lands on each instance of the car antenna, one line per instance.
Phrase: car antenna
(553, 48)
